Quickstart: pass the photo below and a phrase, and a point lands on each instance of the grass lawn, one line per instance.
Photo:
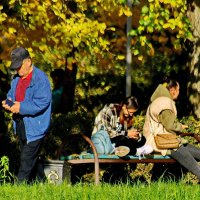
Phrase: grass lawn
(156, 191)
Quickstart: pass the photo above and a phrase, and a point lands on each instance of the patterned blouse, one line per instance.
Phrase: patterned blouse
(108, 119)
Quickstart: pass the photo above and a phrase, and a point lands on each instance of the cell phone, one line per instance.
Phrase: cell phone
(9, 102)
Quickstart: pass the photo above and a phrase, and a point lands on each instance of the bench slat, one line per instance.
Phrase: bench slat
(89, 158)
(85, 161)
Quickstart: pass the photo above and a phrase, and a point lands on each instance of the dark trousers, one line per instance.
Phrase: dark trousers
(122, 140)
(187, 155)
(31, 165)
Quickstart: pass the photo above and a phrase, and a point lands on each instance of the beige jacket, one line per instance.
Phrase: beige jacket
(152, 125)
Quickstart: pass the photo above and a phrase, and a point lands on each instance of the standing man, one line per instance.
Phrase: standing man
(30, 96)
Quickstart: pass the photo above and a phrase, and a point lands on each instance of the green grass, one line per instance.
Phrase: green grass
(155, 191)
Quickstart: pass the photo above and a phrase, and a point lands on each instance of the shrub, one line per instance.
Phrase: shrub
(64, 134)
(5, 174)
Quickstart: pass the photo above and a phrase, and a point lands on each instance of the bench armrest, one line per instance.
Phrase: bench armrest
(96, 159)
(196, 136)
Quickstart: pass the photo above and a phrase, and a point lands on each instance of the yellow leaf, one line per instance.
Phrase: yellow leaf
(111, 28)
(136, 52)
(156, 21)
(120, 12)
(11, 30)
(150, 29)
(143, 40)
(12, 2)
(180, 24)
(146, 17)
(128, 13)
(140, 29)
(62, 16)
(121, 57)
(166, 25)
(32, 27)
(30, 50)
(3, 17)
(42, 47)
(70, 60)
(140, 57)
(7, 63)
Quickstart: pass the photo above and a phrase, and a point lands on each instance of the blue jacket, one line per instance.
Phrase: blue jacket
(36, 107)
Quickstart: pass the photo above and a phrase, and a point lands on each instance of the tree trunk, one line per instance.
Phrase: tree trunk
(67, 101)
(194, 63)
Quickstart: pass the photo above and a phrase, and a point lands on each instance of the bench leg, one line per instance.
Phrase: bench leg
(67, 172)
(96, 171)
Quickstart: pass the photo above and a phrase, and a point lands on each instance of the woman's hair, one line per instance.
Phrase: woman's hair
(170, 83)
(130, 102)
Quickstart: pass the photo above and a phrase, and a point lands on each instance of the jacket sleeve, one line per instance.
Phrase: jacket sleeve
(168, 119)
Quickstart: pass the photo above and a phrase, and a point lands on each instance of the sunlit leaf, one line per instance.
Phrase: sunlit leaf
(121, 57)
(145, 9)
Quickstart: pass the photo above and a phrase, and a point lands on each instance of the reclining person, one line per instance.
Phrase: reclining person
(117, 121)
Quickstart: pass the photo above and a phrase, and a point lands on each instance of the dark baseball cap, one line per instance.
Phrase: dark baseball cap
(17, 57)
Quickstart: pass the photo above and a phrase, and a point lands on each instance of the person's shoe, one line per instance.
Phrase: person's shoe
(122, 151)
(144, 150)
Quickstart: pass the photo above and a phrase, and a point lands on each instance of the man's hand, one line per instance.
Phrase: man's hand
(134, 134)
(5, 106)
(16, 107)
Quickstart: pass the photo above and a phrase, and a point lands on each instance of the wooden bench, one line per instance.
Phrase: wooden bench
(96, 159)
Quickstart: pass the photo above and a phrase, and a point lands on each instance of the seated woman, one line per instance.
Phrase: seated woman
(117, 121)
(161, 118)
